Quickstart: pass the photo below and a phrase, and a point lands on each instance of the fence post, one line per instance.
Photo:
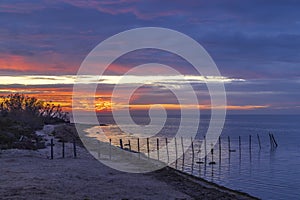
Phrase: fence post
(258, 141)
(175, 153)
(240, 146)
(63, 149)
(250, 143)
(148, 150)
(109, 148)
(167, 148)
(205, 150)
(51, 145)
(193, 155)
(212, 155)
(229, 148)
(138, 146)
(271, 141)
(129, 145)
(182, 153)
(157, 146)
(274, 140)
(220, 149)
(74, 148)
(121, 143)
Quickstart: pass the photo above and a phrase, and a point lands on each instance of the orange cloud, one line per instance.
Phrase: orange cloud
(28, 64)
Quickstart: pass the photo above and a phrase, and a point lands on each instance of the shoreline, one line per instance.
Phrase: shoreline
(31, 174)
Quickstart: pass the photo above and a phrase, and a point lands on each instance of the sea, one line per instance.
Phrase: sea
(253, 164)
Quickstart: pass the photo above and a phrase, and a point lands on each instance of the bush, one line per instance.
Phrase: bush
(21, 115)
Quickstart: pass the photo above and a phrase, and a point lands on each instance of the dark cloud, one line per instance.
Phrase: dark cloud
(255, 40)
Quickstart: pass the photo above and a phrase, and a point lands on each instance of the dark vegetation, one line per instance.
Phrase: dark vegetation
(21, 115)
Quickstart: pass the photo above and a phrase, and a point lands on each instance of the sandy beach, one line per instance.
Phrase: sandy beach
(27, 174)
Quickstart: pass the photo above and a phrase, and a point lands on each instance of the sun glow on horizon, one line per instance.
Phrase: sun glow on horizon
(58, 90)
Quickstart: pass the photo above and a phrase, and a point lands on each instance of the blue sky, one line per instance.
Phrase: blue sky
(257, 41)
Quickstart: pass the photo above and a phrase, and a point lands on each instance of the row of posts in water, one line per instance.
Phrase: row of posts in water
(127, 146)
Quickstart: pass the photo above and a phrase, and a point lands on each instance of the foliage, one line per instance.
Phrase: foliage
(27, 109)
(21, 115)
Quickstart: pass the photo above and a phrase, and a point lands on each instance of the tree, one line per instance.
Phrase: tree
(21, 115)
(30, 110)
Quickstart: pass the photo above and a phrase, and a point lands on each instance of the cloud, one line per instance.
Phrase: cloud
(256, 41)
(130, 79)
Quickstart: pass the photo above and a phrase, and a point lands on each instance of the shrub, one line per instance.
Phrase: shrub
(21, 115)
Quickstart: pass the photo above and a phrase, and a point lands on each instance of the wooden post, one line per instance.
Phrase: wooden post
(259, 141)
(276, 145)
(240, 146)
(51, 145)
(121, 143)
(193, 154)
(129, 145)
(148, 150)
(271, 142)
(138, 145)
(220, 149)
(250, 143)
(74, 148)
(109, 148)
(167, 148)
(157, 148)
(175, 153)
(205, 150)
(63, 149)
(229, 149)
(182, 153)
(212, 154)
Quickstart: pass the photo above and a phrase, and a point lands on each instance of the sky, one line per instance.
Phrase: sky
(255, 44)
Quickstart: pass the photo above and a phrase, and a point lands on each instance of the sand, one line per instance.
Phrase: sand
(26, 174)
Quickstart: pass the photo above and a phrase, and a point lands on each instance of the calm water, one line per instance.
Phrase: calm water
(264, 173)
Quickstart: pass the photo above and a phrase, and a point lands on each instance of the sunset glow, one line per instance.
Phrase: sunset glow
(40, 56)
